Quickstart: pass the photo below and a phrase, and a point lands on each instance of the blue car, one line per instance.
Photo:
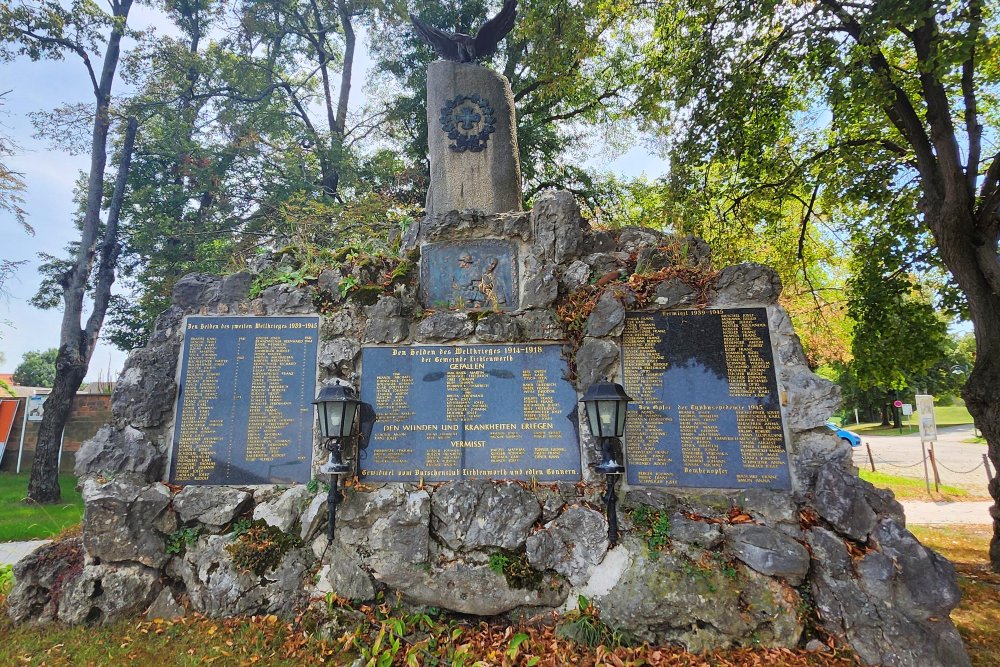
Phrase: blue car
(852, 438)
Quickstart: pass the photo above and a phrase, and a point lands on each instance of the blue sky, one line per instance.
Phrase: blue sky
(50, 175)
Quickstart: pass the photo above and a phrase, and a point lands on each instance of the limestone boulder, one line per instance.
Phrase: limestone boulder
(389, 524)
(850, 504)
(595, 361)
(444, 326)
(337, 356)
(557, 227)
(498, 328)
(574, 276)
(478, 514)
(607, 317)
(471, 589)
(284, 511)
(120, 519)
(212, 506)
(572, 544)
(769, 552)
(746, 284)
(385, 322)
(165, 607)
(194, 289)
(539, 325)
(285, 299)
(675, 293)
(632, 239)
(217, 588)
(104, 594)
(113, 452)
(700, 534)
(541, 286)
(144, 394)
(873, 611)
(690, 599)
(39, 578)
(342, 572)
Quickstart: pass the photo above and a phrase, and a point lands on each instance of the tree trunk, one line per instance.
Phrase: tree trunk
(885, 415)
(951, 224)
(982, 397)
(43, 486)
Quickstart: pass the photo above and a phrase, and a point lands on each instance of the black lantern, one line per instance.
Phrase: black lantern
(337, 410)
(336, 407)
(607, 405)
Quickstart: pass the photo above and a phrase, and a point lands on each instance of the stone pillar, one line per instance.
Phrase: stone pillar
(472, 137)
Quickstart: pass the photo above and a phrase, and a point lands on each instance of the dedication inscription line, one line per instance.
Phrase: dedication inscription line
(452, 412)
(245, 415)
(705, 410)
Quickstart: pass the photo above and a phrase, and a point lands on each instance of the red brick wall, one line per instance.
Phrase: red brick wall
(90, 412)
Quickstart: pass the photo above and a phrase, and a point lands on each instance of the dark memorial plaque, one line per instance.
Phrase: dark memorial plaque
(473, 275)
(244, 410)
(706, 410)
(477, 411)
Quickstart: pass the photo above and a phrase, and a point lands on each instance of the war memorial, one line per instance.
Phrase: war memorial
(475, 407)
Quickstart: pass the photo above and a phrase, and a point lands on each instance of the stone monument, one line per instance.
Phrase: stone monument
(471, 129)
(480, 449)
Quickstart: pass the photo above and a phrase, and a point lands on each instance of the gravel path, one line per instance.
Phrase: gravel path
(959, 463)
(11, 552)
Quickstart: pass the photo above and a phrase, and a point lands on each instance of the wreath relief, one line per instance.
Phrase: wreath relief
(469, 121)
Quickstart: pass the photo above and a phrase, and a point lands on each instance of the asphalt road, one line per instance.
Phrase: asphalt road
(959, 463)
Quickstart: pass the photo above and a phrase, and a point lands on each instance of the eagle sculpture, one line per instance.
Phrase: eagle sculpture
(464, 48)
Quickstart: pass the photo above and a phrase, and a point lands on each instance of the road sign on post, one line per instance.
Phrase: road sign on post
(925, 409)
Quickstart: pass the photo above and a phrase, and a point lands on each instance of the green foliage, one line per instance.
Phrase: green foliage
(654, 525)
(259, 547)
(584, 626)
(516, 569)
(241, 526)
(6, 578)
(37, 369)
(21, 520)
(182, 538)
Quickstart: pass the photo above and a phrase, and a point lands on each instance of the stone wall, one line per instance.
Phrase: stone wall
(702, 568)
(90, 412)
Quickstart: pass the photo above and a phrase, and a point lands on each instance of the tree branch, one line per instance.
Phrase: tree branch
(901, 112)
(972, 126)
(109, 244)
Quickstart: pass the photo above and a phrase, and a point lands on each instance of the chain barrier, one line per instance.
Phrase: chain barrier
(898, 465)
(960, 472)
(894, 464)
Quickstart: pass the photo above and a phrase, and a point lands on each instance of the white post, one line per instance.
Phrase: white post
(24, 427)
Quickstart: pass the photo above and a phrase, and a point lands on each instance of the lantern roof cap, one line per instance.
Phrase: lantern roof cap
(605, 391)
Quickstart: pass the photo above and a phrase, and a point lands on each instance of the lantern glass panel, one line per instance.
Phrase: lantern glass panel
(350, 413)
(334, 418)
(620, 426)
(595, 422)
(608, 415)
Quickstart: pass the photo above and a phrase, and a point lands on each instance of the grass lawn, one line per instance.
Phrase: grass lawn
(951, 415)
(908, 488)
(976, 616)
(21, 521)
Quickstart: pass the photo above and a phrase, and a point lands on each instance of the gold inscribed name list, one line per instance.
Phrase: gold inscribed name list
(539, 402)
(701, 449)
(509, 455)
(746, 366)
(465, 395)
(392, 397)
(391, 455)
(199, 431)
(762, 444)
(266, 421)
